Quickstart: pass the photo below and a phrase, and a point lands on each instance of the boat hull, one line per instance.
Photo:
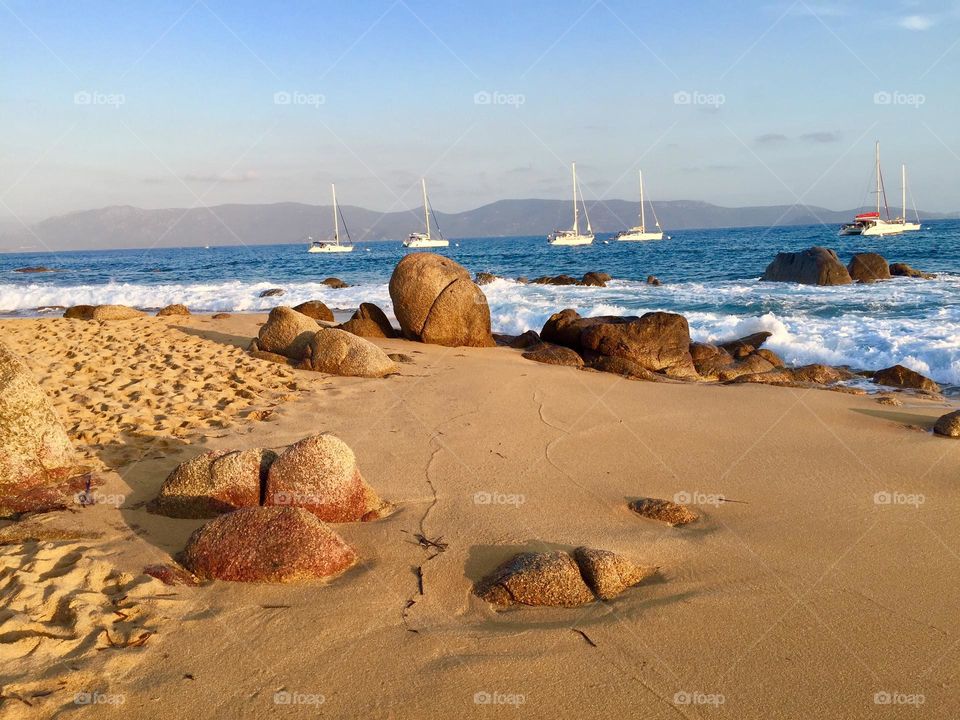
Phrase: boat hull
(883, 228)
(426, 243)
(569, 240)
(331, 249)
(630, 236)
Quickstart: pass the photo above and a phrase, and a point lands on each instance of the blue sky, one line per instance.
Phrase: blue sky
(206, 102)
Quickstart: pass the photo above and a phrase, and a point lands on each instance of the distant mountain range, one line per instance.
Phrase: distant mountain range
(130, 227)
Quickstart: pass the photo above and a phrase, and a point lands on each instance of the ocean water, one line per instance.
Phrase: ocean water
(710, 276)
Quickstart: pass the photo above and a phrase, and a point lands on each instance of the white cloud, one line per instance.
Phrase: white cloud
(916, 22)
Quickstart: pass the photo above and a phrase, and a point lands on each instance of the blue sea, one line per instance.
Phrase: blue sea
(710, 276)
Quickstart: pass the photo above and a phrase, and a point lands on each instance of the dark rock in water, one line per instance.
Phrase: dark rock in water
(316, 310)
(596, 279)
(485, 278)
(35, 269)
(272, 292)
(267, 544)
(657, 341)
(904, 270)
(948, 425)
(554, 355)
(868, 267)
(335, 283)
(220, 316)
(746, 345)
(173, 310)
(527, 339)
(370, 321)
(437, 302)
(555, 280)
(814, 266)
(653, 280)
(904, 377)
(287, 332)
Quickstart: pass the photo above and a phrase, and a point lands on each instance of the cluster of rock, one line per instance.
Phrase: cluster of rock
(591, 279)
(38, 467)
(561, 579)
(822, 266)
(102, 313)
(271, 510)
(298, 339)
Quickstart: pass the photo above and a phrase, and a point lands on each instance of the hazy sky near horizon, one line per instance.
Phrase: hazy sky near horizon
(199, 102)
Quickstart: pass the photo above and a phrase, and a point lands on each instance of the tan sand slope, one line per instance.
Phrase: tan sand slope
(825, 584)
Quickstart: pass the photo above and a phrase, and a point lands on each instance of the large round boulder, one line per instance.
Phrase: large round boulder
(813, 266)
(868, 267)
(338, 352)
(320, 474)
(214, 482)
(436, 301)
(948, 425)
(287, 332)
(267, 545)
(37, 461)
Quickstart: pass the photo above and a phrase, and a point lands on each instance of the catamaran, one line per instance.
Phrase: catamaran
(573, 236)
(425, 240)
(872, 223)
(640, 231)
(334, 245)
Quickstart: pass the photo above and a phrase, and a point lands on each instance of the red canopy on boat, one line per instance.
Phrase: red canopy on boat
(867, 216)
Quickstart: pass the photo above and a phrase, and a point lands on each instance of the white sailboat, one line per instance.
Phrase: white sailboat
(873, 223)
(425, 240)
(573, 235)
(639, 232)
(332, 246)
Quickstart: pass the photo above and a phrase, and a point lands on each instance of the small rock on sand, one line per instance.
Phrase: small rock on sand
(102, 312)
(267, 545)
(316, 310)
(370, 321)
(287, 332)
(554, 355)
(948, 425)
(173, 310)
(338, 352)
(607, 573)
(663, 510)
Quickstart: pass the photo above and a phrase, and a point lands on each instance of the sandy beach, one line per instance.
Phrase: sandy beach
(820, 576)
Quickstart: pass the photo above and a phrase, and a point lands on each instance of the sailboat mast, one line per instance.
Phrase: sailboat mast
(903, 191)
(426, 206)
(336, 214)
(879, 180)
(643, 219)
(576, 210)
